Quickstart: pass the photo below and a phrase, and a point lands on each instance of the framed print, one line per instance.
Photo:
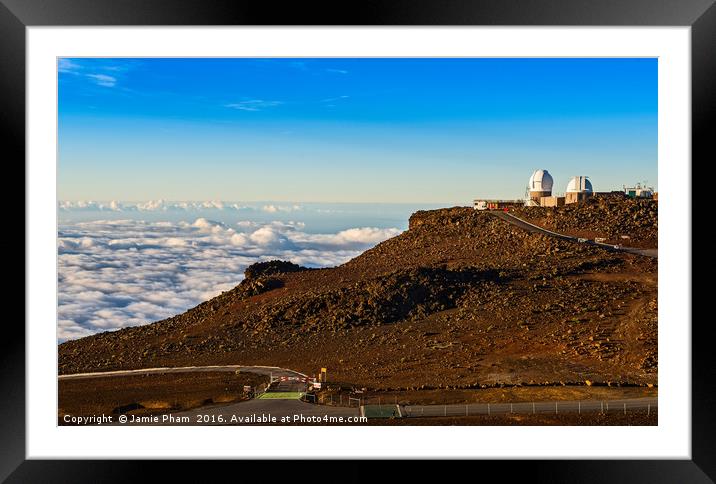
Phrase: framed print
(421, 231)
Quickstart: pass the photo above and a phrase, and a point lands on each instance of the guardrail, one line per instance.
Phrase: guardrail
(557, 407)
(646, 406)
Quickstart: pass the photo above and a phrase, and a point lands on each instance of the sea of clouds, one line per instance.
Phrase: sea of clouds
(115, 273)
(164, 206)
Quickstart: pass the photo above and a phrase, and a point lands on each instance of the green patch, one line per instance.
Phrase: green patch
(282, 395)
(381, 411)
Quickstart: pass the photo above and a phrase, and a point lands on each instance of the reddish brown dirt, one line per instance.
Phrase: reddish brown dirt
(150, 394)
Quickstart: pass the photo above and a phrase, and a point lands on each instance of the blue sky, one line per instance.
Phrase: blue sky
(350, 130)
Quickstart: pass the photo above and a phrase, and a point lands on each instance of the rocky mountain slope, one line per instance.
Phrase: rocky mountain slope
(461, 299)
(630, 222)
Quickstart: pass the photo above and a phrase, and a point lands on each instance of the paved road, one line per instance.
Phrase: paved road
(518, 222)
(648, 404)
(290, 386)
(261, 370)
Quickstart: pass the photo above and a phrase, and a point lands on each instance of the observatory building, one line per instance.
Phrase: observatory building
(538, 193)
(639, 191)
(579, 188)
(540, 185)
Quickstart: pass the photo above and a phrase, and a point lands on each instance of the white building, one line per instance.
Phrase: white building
(579, 184)
(579, 188)
(539, 185)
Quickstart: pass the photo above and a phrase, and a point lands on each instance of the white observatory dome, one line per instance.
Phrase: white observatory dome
(579, 184)
(541, 181)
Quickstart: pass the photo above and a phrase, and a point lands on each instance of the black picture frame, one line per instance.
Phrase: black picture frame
(700, 15)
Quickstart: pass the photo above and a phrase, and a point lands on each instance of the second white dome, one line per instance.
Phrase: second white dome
(579, 184)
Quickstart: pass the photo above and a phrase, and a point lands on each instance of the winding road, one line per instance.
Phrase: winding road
(259, 370)
(523, 224)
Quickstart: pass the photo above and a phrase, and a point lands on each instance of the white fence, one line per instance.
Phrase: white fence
(647, 405)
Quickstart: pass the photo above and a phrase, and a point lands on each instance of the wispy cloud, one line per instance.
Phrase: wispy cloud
(67, 66)
(253, 105)
(103, 80)
(302, 66)
(102, 72)
(333, 99)
(117, 67)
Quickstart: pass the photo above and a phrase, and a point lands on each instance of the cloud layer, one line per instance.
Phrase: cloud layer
(165, 206)
(119, 273)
